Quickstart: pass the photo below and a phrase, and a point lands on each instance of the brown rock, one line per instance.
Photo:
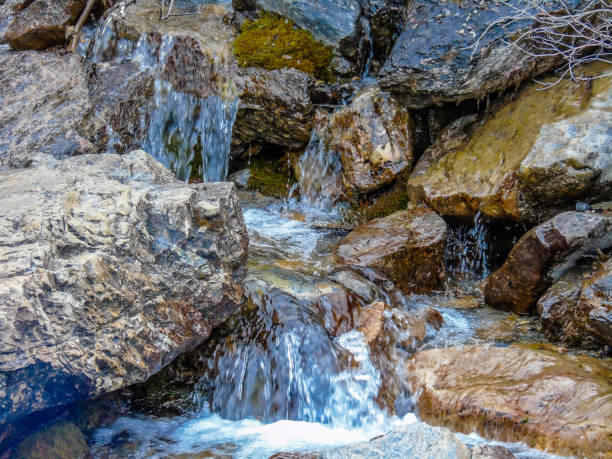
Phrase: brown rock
(42, 23)
(406, 246)
(577, 309)
(542, 255)
(548, 400)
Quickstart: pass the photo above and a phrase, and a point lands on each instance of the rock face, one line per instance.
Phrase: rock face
(406, 246)
(577, 311)
(551, 401)
(275, 107)
(110, 268)
(434, 59)
(542, 255)
(40, 24)
(44, 105)
(531, 158)
(333, 22)
(373, 138)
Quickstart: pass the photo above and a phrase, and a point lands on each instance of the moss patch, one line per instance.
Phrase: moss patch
(270, 177)
(383, 204)
(61, 440)
(274, 42)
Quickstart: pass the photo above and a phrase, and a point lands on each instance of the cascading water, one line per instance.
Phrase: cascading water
(467, 249)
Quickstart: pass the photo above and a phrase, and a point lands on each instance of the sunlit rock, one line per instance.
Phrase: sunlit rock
(440, 55)
(577, 309)
(407, 247)
(552, 401)
(531, 157)
(110, 268)
(40, 24)
(542, 255)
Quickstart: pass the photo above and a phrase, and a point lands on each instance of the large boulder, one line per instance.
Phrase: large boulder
(333, 22)
(533, 156)
(275, 107)
(44, 107)
(109, 269)
(577, 309)
(40, 24)
(441, 55)
(549, 400)
(543, 255)
(407, 247)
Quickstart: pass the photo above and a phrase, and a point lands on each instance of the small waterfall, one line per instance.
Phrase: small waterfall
(366, 46)
(467, 249)
(320, 179)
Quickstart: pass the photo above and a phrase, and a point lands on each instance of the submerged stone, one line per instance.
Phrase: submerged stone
(522, 161)
(110, 269)
(60, 440)
(549, 400)
(407, 247)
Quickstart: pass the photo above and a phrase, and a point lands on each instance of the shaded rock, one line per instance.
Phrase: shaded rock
(542, 255)
(44, 106)
(550, 401)
(61, 440)
(523, 161)
(434, 59)
(275, 107)
(373, 139)
(335, 23)
(40, 24)
(577, 310)
(110, 268)
(406, 246)
(415, 440)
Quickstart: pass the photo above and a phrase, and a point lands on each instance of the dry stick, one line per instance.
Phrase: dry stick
(81, 23)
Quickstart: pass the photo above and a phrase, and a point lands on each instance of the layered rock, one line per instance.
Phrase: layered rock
(542, 255)
(577, 310)
(533, 156)
(549, 400)
(406, 247)
(275, 107)
(44, 107)
(40, 24)
(443, 56)
(110, 268)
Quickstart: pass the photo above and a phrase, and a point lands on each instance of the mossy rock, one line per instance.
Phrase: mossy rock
(274, 42)
(270, 177)
(63, 440)
(385, 203)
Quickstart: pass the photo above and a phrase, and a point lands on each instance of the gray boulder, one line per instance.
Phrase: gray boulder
(109, 268)
(434, 60)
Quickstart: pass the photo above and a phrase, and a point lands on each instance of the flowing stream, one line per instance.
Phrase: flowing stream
(292, 371)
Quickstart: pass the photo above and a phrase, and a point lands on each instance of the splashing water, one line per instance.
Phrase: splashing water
(467, 249)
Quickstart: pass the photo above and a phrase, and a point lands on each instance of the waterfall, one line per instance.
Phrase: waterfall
(467, 249)
(320, 180)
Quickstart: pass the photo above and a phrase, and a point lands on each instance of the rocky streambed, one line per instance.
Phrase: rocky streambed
(207, 252)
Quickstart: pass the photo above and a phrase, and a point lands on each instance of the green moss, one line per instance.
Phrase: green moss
(273, 42)
(270, 177)
(391, 200)
(63, 440)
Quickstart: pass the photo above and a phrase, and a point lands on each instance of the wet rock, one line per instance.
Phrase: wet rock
(550, 401)
(577, 310)
(44, 106)
(434, 59)
(406, 247)
(335, 23)
(110, 268)
(275, 107)
(491, 452)
(522, 162)
(542, 255)
(60, 440)
(373, 139)
(415, 440)
(40, 24)
(385, 18)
